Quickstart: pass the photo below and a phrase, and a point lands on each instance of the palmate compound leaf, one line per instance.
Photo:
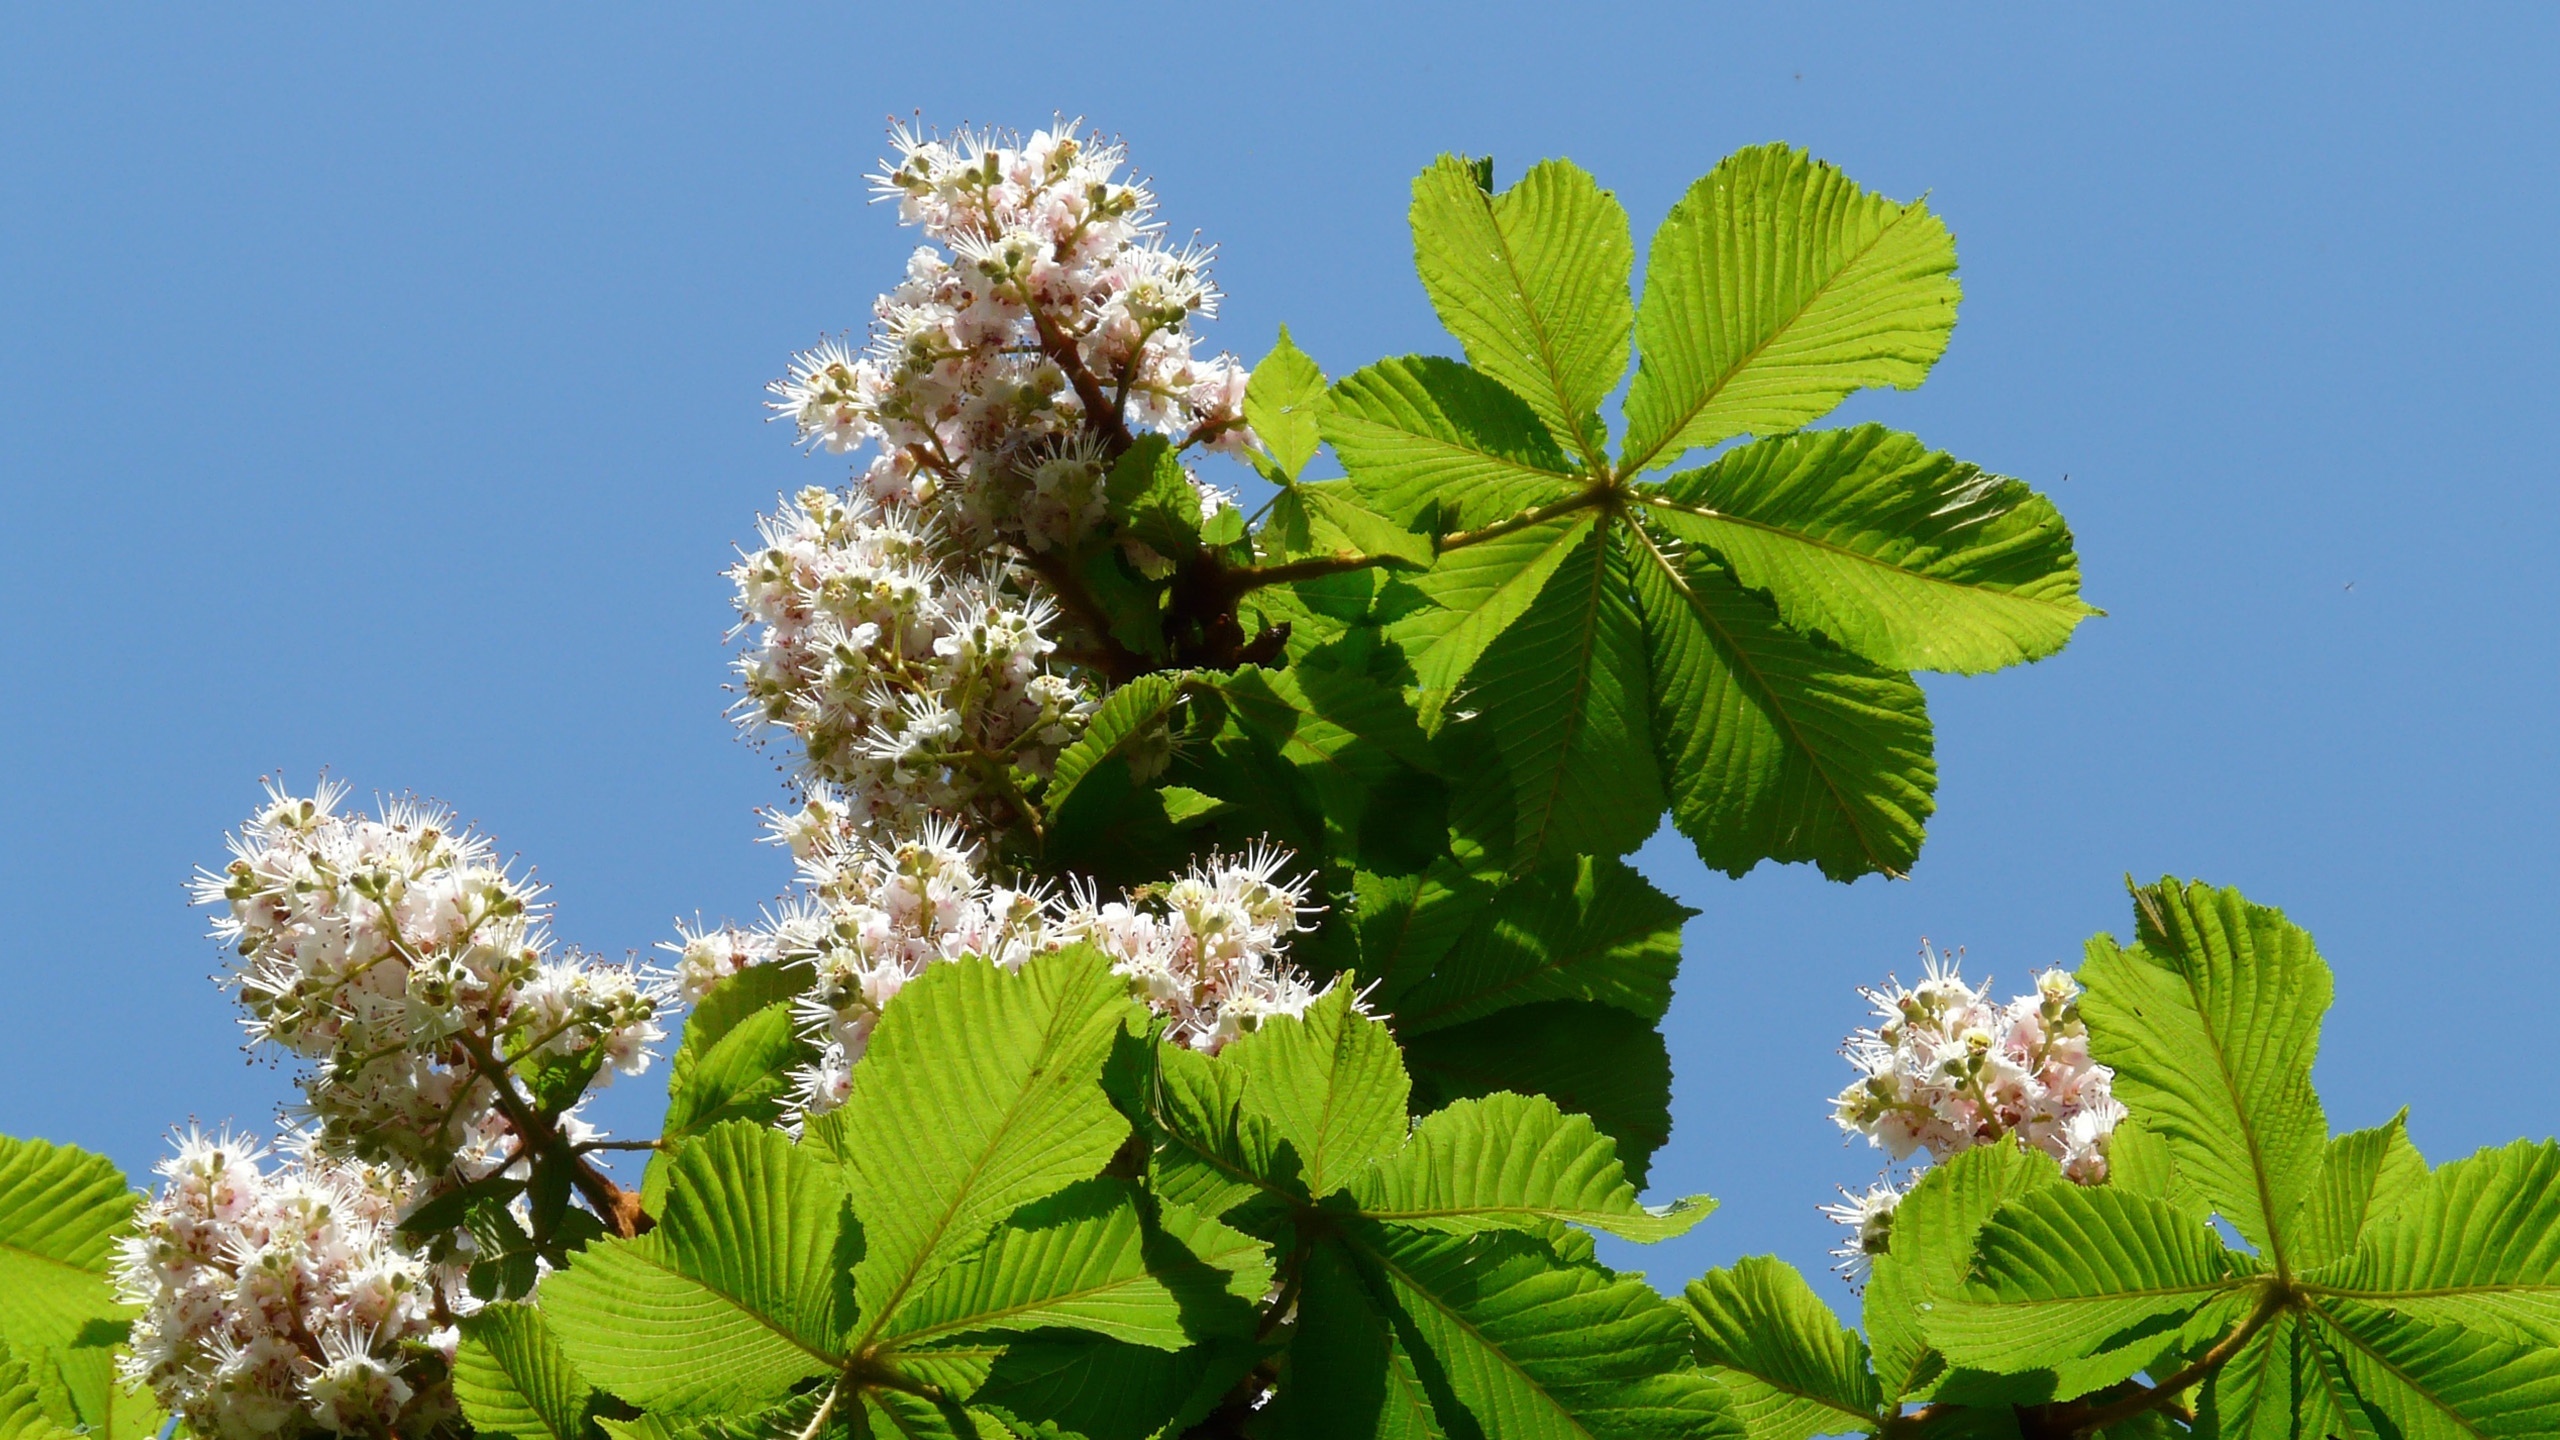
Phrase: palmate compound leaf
(62, 1210)
(980, 1093)
(1506, 1161)
(1533, 282)
(1090, 1258)
(1776, 746)
(2065, 1274)
(1903, 555)
(513, 1378)
(1794, 1370)
(1587, 928)
(737, 1295)
(2211, 1024)
(1773, 289)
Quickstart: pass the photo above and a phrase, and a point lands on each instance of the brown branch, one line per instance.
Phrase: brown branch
(619, 1208)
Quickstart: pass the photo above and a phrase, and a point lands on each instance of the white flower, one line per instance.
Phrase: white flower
(1946, 1069)
(280, 1301)
(1869, 1216)
(388, 949)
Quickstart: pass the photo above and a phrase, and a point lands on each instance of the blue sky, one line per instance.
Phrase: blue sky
(381, 393)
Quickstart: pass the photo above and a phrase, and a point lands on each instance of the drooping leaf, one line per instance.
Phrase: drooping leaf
(1087, 1259)
(2364, 1175)
(1130, 724)
(1281, 402)
(1795, 1371)
(1777, 747)
(1331, 1084)
(1533, 282)
(1590, 1059)
(1585, 929)
(980, 1092)
(62, 1210)
(1534, 1348)
(2064, 1272)
(1904, 556)
(1510, 1162)
(1774, 288)
(513, 1378)
(2474, 1245)
(1934, 1229)
(1431, 442)
(738, 1294)
(2211, 1023)
(2256, 1395)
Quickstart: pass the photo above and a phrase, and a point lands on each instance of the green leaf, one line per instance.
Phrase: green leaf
(2139, 1161)
(1324, 517)
(1350, 1373)
(1281, 402)
(2476, 1244)
(1591, 1059)
(2256, 1394)
(1330, 1083)
(1774, 288)
(1132, 724)
(1934, 1230)
(1433, 441)
(1562, 691)
(980, 1093)
(1509, 1162)
(1407, 923)
(1534, 283)
(2211, 1023)
(1101, 1389)
(1536, 1349)
(62, 1210)
(2064, 1273)
(1586, 929)
(1778, 747)
(22, 1409)
(1347, 734)
(1902, 555)
(737, 1295)
(1478, 593)
(735, 1061)
(1207, 1151)
(2364, 1175)
(1086, 1259)
(2440, 1382)
(513, 1378)
(1152, 500)
(1795, 1371)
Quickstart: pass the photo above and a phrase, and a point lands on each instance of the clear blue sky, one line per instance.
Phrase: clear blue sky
(382, 394)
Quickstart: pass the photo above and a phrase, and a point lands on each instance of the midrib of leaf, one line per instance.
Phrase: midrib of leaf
(1782, 1387)
(1706, 512)
(1062, 1015)
(1581, 681)
(745, 1308)
(1324, 1123)
(979, 1320)
(1633, 464)
(2432, 1292)
(2397, 1372)
(1545, 340)
(1742, 664)
(2248, 1132)
(1482, 1340)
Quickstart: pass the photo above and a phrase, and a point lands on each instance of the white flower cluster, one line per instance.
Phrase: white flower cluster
(1208, 951)
(277, 1302)
(1048, 319)
(914, 684)
(1946, 1069)
(397, 953)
